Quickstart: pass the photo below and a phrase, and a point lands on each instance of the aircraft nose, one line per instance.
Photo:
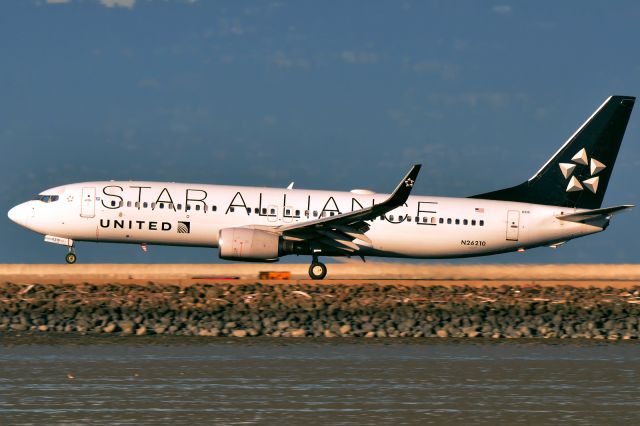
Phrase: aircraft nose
(18, 214)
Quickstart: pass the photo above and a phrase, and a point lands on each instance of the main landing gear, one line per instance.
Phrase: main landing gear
(317, 270)
(71, 256)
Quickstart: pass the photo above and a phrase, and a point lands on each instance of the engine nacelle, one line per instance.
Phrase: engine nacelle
(248, 244)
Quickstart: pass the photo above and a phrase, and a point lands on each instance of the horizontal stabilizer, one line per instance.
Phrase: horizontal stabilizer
(594, 214)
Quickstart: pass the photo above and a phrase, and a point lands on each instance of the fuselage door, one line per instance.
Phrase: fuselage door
(287, 214)
(272, 213)
(513, 225)
(88, 206)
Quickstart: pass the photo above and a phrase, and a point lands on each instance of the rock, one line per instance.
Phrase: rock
(126, 327)
(328, 333)
(43, 328)
(298, 332)
(159, 329)
(239, 333)
(18, 327)
(370, 334)
(442, 333)
(381, 333)
(109, 328)
(141, 331)
(283, 325)
(345, 329)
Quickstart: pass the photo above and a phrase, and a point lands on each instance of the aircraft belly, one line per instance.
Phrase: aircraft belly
(440, 241)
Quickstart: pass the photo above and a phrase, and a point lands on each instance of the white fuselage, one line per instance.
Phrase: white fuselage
(193, 215)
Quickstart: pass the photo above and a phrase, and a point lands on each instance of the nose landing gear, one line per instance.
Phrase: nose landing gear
(317, 270)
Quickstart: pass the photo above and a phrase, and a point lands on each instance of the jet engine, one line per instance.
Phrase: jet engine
(248, 244)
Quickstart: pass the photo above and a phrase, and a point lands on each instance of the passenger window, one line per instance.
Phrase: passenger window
(161, 205)
(306, 213)
(179, 206)
(187, 207)
(448, 221)
(425, 219)
(297, 212)
(466, 222)
(331, 213)
(153, 206)
(482, 223)
(408, 218)
(287, 212)
(433, 220)
(113, 203)
(214, 208)
(145, 205)
(231, 209)
(457, 221)
(248, 210)
(390, 217)
(473, 222)
(205, 208)
(315, 213)
(264, 210)
(256, 210)
(197, 207)
(128, 203)
(273, 211)
(441, 220)
(170, 206)
(137, 205)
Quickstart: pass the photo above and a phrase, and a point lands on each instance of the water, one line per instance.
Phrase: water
(334, 381)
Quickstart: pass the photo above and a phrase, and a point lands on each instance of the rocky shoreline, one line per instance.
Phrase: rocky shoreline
(318, 310)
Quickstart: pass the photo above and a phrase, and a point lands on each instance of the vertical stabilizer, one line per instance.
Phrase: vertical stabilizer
(578, 174)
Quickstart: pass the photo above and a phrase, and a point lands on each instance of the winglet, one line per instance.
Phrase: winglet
(402, 191)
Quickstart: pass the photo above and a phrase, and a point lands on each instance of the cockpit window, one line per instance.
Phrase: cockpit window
(48, 198)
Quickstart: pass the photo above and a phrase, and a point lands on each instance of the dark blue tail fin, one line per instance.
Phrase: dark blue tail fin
(578, 174)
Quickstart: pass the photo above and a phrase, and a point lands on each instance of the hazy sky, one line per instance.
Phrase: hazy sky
(333, 95)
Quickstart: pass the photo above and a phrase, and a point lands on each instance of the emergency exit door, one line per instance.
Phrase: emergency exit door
(513, 225)
(88, 206)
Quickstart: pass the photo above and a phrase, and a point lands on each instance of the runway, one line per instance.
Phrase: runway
(576, 275)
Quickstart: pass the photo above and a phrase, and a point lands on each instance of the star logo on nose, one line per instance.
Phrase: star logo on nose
(581, 159)
(409, 183)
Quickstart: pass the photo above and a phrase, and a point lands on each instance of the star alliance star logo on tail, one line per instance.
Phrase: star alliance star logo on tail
(595, 167)
(409, 183)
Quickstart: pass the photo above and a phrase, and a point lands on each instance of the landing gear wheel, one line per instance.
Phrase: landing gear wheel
(70, 258)
(317, 271)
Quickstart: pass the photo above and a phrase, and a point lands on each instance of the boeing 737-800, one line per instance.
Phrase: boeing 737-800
(560, 202)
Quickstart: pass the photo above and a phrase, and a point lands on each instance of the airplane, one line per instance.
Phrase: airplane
(560, 202)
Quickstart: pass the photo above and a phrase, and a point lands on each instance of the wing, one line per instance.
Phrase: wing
(339, 231)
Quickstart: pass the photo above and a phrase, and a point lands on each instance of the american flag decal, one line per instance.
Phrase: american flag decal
(479, 210)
